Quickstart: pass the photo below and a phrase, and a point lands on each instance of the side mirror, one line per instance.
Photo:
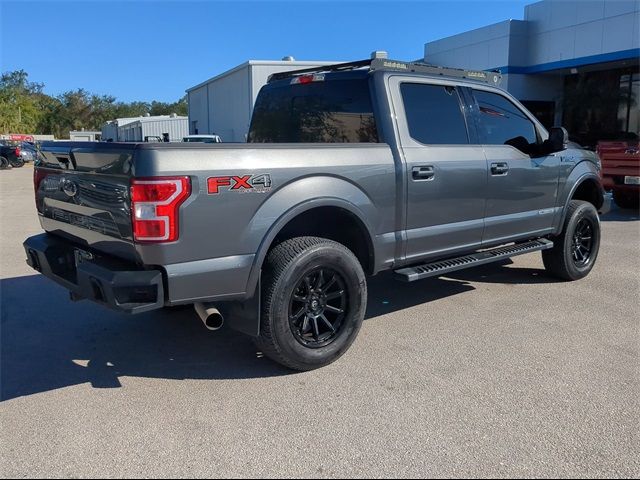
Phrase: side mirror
(558, 139)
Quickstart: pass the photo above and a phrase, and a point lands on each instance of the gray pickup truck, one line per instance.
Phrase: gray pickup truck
(349, 170)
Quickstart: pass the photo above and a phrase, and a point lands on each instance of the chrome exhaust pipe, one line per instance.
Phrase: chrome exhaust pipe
(210, 316)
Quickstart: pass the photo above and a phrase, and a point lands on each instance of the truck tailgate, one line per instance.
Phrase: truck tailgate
(82, 193)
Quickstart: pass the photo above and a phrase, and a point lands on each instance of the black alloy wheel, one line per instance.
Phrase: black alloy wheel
(582, 242)
(575, 249)
(314, 298)
(317, 307)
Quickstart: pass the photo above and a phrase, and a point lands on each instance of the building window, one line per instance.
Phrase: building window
(434, 114)
(602, 105)
(628, 111)
(543, 111)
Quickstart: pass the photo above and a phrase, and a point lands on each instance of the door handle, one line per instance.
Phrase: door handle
(499, 168)
(423, 173)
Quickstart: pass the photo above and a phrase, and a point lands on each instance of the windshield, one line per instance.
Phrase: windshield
(332, 111)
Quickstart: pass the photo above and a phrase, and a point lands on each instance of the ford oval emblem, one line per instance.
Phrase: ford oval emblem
(70, 188)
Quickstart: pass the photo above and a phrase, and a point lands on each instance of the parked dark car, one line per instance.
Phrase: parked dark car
(10, 154)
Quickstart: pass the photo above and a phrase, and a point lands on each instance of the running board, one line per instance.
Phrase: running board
(418, 272)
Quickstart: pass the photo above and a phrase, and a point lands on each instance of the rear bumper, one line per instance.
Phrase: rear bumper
(118, 285)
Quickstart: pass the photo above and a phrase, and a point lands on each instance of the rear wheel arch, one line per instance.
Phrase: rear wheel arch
(292, 224)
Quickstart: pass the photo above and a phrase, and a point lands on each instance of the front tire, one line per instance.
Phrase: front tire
(313, 302)
(576, 249)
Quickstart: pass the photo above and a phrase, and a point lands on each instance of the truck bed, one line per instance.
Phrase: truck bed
(219, 233)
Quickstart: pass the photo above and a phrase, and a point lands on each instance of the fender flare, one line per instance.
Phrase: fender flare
(289, 215)
(589, 175)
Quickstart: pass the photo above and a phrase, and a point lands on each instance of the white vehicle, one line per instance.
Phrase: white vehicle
(203, 138)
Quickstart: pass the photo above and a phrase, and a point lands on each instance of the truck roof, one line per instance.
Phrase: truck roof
(382, 64)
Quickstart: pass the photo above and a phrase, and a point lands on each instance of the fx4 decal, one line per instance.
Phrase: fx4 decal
(242, 183)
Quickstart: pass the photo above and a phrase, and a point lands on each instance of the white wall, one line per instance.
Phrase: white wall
(552, 31)
(534, 87)
(83, 136)
(568, 29)
(229, 107)
(197, 100)
(481, 49)
(110, 131)
(177, 128)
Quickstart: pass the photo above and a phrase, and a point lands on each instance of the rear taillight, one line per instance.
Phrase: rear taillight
(18, 151)
(155, 204)
(40, 175)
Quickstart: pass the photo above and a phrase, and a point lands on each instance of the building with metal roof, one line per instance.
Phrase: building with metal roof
(572, 63)
(223, 104)
(170, 128)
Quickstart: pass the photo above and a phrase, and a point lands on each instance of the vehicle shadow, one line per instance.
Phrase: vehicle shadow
(619, 215)
(613, 213)
(48, 342)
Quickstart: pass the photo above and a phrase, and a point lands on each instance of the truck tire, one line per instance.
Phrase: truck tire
(314, 296)
(626, 200)
(4, 163)
(575, 250)
(17, 162)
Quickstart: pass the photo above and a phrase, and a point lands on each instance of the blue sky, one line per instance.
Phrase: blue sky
(146, 50)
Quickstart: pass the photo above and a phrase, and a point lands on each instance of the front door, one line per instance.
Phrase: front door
(522, 187)
(446, 176)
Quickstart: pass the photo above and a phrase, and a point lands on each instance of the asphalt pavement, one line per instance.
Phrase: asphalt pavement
(495, 371)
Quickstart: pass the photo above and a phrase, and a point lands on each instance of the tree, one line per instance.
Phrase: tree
(19, 102)
(25, 108)
(162, 108)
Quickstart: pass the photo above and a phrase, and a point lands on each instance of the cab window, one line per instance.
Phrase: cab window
(503, 123)
(434, 114)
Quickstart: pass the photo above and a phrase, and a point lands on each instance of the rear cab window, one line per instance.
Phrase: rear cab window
(320, 111)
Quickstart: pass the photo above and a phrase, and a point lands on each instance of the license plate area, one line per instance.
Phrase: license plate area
(631, 180)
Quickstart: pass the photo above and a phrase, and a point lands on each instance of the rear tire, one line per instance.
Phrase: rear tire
(313, 302)
(626, 200)
(4, 163)
(576, 249)
(17, 162)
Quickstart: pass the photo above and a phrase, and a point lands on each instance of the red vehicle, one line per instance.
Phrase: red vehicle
(621, 171)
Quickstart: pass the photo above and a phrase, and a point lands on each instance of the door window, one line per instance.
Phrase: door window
(434, 114)
(502, 123)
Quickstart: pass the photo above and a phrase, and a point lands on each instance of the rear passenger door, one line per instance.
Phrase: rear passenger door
(522, 186)
(445, 175)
